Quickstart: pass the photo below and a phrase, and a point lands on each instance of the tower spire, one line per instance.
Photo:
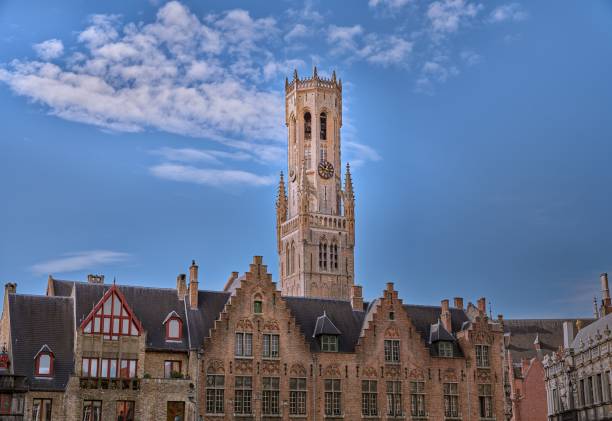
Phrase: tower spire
(281, 209)
(348, 183)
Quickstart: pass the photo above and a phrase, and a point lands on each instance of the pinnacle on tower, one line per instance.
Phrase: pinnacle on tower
(281, 198)
(314, 73)
(295, 74)
(334, 76)
(348, 183)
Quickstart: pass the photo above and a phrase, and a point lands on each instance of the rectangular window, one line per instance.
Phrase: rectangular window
(244, 345)
(270, 346)
(451, 400)
(598, 389)
(329, 343)
(243, 395)
(41, 409)
(589, 390)
(445, 349)
(333, 398)
(92, 410)
(215, 394)
(127, 369)
(555, 400)
(108, 368)
(606, 386)
(582, 394)
(308, 157)
(172, 368)
(417, 399)
(297, 396)
(125, 411)
(394, 398)
(485, 399)
(11, 404)
(89, 367)
(392, 350)
(369, 397)
(482, 356)
(271, 396)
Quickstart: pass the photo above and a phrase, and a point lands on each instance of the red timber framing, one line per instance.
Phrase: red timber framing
(112, 316)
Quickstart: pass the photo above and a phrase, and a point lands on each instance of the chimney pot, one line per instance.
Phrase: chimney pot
(10, 288)
(445, 316)
(459, 302)
(181, 286)
(193, 285)
(482, 305)
(95, 279)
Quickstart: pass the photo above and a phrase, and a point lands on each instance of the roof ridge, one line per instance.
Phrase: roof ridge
(42, 296)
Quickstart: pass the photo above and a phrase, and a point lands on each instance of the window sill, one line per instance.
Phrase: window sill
(393, 362)
(271, 358)
(298, 416)
(174, 341)
(243, 357)
(271, 415)
(219, 414)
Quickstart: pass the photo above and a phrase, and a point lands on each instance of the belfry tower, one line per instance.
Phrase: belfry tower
(315, 216)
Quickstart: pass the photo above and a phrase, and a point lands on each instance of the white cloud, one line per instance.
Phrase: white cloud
(49, 49)
(508, 12)
(358, 153)
(353, 42)
(437, 70)
(298, 31)
(390, 4)
(446, 16)
(199, 155)
(84, 260)
(210, 177)
(470, 58)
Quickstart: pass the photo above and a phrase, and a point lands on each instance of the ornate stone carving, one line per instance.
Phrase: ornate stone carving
(393, 372)
(482, 337)
(270, 367)
(298, 370)
(244, 324)
(392, 332)
(332, 370)
(215, 367)
(417, 373)
(483, 375)
(271, 324)
(369, 372)
(449, 375)
(244, 366)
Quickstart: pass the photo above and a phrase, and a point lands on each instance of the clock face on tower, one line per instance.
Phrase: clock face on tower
(326, 169)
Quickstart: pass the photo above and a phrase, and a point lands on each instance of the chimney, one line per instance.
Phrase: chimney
(10, 288)
(357, 298)
(193, 285)
(482, 305)
(181, 286)
(445, 316)
(568, 334)
(579, 325)
(95, 279)
(459, 303)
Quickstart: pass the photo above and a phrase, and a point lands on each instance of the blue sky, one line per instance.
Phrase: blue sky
(136, 138)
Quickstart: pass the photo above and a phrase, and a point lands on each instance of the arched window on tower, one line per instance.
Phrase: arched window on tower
(307, 126)
(333, 256)
(292, 261)
(323, 126)
(287, 257)
(323, 255)
(307, 157)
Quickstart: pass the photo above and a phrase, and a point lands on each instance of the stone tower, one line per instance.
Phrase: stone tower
(315, 215)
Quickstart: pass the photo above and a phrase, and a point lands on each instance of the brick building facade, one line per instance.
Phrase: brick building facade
(312, 349)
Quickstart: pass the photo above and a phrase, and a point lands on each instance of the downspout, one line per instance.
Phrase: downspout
(314, 387)
(195, 380)
(469, 390)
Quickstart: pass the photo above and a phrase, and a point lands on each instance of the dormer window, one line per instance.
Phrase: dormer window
(112, 317)
(43, 362)
(174, 327)
(445, 349)
(329, 343)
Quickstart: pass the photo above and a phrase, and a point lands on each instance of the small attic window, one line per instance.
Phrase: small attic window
(445, 349)
(392, 315)
(329, 343)
(174, 327)
(257, 304)
(43, 362)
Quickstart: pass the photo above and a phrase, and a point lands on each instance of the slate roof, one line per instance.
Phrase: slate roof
(437, 333)
(522, 333)
(591, 330)
(424, 316)
(307, 310)
(210, 305)
(37, 321)
(325, 326)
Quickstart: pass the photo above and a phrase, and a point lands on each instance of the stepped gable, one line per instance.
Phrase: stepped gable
(37, 321)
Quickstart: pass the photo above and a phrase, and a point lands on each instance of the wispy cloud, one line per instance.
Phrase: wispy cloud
(389, 4)
(199, 155)
(210, 177)
(508, 12)
(447, 16)
(49, 49)
(83, 260)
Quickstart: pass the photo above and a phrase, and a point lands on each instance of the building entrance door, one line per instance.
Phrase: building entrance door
(176, 411)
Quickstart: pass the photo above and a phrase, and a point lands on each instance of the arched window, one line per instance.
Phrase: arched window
(307, 126)
(323, 153)
(308, 157)
(323, 125)
(292, 262)
(43, 362)
(287, 260)
(257, 304)
(323, 255)
(174, 327)
(333, 256)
